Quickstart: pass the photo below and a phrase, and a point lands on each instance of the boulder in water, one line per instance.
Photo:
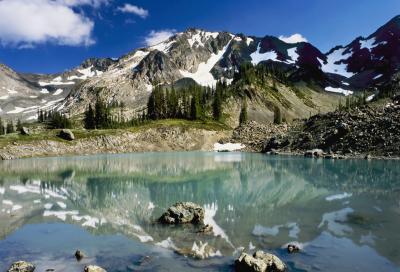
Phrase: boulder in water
(183, 213)
(93, 268)
(21, 266)
(66, 134)
(291, 248)
(79, 255)
(259, 262)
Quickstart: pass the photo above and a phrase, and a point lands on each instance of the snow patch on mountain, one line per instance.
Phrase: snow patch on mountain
(249, 41)
(338, 90)
(203, 74)
(86, 73)
(258, 57)
(200, 36)
(58, 92)
(369, 44)
(163, 46)
(335, 63)
(292, 52)
(56, 81)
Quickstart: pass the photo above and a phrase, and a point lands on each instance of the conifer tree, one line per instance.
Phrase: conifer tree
(217, 106)
(19, 125)
(243, 118)
(10, 127)
(277, 115)
(90, 118)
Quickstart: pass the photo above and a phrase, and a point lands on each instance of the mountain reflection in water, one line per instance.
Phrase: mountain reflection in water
(348, 210)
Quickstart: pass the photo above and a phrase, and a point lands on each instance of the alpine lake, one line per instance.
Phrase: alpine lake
(343, 214)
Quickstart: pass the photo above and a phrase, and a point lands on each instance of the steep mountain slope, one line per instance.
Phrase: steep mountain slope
(203, 57)
(367, 62)
(22, 95)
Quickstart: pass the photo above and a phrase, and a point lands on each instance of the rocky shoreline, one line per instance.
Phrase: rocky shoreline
(363, 132)
(147, 140)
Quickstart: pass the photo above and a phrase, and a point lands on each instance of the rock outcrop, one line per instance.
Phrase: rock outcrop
(259, 262)
(67, 134)
(183, 213)
(368, 130)
(21, 266)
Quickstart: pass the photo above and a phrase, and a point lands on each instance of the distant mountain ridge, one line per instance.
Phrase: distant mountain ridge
(203, 57)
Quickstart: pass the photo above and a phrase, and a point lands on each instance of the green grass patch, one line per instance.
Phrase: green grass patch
(51, 134)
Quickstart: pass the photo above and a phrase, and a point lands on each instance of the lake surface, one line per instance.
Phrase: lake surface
(344, 214)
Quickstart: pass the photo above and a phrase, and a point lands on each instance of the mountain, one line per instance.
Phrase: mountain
(202, 57)
(23, 94)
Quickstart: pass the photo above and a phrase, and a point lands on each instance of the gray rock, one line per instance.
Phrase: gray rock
(21, 266)
(183, 213)
(93, 268)
(66, 134)
(25, 131)
(259, 262)
(314, 153)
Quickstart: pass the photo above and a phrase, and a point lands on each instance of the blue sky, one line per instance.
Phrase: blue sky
(49, 36)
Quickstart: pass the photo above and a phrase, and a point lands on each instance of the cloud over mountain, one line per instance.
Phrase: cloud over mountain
(25, 23)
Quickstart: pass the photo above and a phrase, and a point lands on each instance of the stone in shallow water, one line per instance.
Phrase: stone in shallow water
(183, 213)
(259, 262)
(291, 248)
(93, 268)
(79, 255)
(21, 266)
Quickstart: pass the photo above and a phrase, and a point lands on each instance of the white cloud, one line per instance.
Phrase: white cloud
(156, 37)
(128, 8)
(75, 3)
(295, 38)
(25, 23)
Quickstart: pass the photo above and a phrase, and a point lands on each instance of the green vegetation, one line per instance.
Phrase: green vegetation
(54, 119)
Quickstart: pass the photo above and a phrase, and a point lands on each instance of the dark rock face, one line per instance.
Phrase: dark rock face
(183, 213)
(259, 262)
(21, 266)
(66, 134)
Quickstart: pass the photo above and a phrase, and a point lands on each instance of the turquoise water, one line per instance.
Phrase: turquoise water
(344, 214)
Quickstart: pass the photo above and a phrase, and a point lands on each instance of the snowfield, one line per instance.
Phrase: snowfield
(334, 63)
(203, 74)
(258, 57)
(338, 90)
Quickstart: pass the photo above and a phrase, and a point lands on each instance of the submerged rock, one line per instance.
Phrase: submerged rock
(259, 262)
(201, 251)
(79, 255)
(291, 248)
(93, 268)
(207, 229)
(66, 134)
(183, 213)
(21, 266)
